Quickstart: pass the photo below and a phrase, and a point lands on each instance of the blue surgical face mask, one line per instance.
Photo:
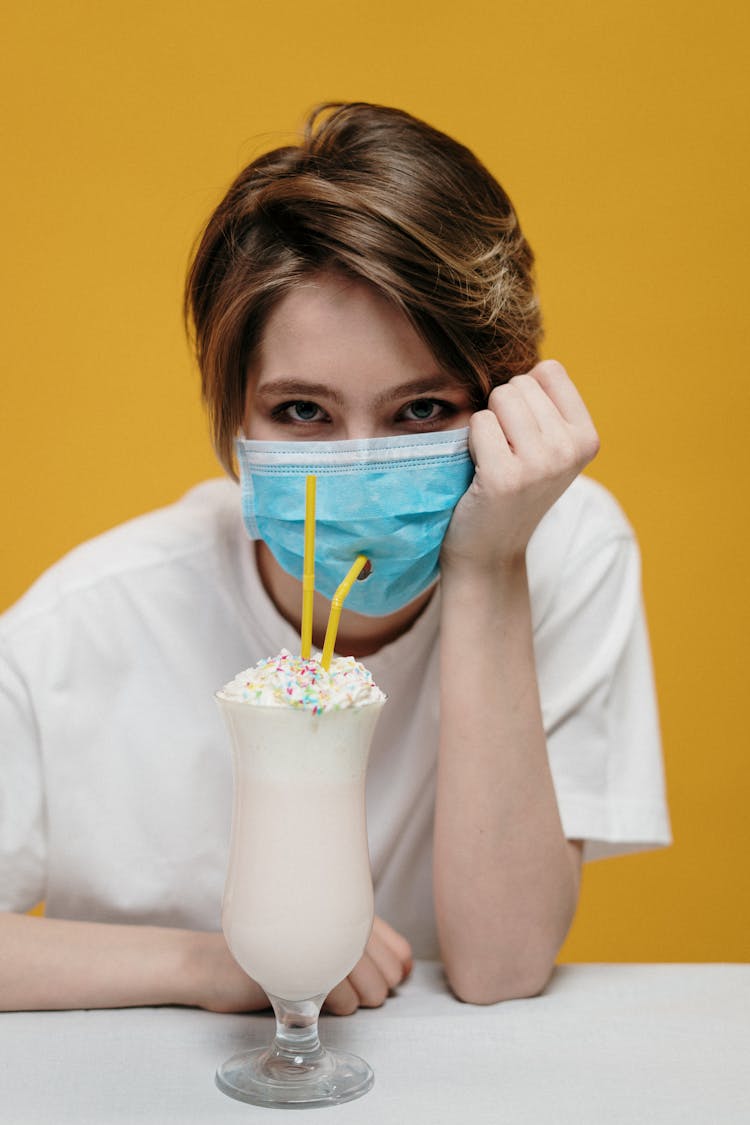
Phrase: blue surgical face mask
(388, 498)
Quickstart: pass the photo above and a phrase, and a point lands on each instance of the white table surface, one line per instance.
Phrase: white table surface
(604, 1045)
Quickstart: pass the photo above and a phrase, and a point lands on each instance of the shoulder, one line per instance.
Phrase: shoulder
(168, 537)
(585, 516)
(584, 536)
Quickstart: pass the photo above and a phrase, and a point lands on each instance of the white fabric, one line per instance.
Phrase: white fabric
(604, 1045)
(115, 776)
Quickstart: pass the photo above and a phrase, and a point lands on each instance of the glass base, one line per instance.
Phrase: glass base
(269, 1078)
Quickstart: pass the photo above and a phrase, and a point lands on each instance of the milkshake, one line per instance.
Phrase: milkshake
(298, 901)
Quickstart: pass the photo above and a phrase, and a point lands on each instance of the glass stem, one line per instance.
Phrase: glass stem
(297, 1029)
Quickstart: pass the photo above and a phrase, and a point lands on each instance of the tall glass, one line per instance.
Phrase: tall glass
(298, 900)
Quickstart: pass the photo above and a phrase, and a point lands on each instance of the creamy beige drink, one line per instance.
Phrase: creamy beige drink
(298, 903)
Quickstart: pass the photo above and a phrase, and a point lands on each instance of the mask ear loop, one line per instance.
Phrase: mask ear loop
(336, 605)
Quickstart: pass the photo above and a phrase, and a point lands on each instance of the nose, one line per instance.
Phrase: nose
(364, 425)
(359, 428)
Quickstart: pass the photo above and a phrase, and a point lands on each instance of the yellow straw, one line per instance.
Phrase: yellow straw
(308, 572)
(335, 614)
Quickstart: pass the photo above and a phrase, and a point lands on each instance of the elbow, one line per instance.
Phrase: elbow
(481, 984)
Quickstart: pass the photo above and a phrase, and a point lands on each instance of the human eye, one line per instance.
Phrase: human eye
(299, 412)
(427, 410)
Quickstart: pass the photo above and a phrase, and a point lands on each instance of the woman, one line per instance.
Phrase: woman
(373, 283)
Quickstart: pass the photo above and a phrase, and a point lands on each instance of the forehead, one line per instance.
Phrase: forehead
(331, 324)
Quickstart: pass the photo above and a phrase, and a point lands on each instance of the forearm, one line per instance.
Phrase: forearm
(506, 879)
(50, 963)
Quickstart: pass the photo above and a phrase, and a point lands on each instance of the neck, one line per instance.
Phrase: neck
(358, 635)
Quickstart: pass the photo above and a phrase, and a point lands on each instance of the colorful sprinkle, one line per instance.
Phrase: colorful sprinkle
(289, 681)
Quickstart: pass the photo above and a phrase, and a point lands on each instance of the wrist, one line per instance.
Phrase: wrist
(211, 978)
(474, 577)
(186, 968)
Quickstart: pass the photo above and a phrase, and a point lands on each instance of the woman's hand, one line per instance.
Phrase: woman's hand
(387, 961)
(216, 982)
(530, 443)
(220, 985)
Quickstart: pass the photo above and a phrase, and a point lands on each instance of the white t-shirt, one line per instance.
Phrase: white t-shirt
(115, 769)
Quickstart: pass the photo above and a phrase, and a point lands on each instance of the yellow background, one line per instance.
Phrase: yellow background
(619, 131)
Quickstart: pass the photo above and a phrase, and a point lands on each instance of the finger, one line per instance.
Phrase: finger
(539, 403)
(562, 444)
(369, 983)
(389, 964)
(394, 940)
(343, 1000)
(516, 419)
(487, 442)
(559, 387)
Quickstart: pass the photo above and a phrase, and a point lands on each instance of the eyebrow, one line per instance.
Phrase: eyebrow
(298, 388)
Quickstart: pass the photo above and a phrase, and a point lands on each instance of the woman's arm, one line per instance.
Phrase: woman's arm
(52, 963)
(506, 879)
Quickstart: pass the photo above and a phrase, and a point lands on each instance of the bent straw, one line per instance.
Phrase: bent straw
(308, 570)
(338, 600)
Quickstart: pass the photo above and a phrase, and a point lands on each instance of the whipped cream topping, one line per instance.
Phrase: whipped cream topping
(290, 681)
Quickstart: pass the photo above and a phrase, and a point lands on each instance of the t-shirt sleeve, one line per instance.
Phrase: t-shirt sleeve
(599, 703)
(22, 821)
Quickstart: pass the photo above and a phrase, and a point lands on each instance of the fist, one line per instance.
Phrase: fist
(386, 962)
(528, 445)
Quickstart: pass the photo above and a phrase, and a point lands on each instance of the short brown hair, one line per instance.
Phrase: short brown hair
(376, 193)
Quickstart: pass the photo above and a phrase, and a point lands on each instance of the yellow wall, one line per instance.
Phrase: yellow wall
(617, 129)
